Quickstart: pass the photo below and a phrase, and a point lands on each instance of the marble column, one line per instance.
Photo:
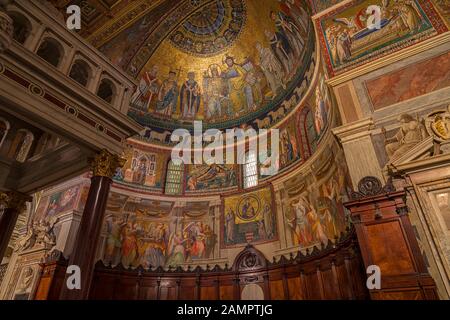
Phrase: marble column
(12, 203)
(104, 166)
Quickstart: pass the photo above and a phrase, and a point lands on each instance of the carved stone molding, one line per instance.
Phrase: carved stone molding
(104, 164)
(371, 186)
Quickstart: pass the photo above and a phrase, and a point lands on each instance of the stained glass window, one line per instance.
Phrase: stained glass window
(174, 178)
(250, 170)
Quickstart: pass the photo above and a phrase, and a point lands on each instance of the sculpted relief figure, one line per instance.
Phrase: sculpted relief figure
(438, 126)
(411, 132)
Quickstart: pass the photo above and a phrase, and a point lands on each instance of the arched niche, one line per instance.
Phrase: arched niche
(106, 90)
(21, 27)
(80, 72)
(51, 51)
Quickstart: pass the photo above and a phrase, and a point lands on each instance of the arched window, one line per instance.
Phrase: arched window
(106, 90)
(250, 170)
(4, 128)
(174, 178)
(51, 51)
(308, 133)
(21, 145)
(80, 72)
(21, 27)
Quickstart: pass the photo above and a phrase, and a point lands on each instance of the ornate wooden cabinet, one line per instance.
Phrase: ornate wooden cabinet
(386, 239)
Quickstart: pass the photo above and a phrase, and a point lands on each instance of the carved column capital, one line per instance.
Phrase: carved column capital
(14, 200)
(6, 29)
(104, 164)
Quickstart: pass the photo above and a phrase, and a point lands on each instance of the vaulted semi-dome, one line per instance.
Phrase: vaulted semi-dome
(226, 62)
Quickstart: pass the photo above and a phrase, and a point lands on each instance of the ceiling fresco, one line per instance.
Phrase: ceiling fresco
(225, 62)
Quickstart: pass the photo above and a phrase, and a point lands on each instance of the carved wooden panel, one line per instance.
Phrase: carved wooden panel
(387, 240)
(331, 273)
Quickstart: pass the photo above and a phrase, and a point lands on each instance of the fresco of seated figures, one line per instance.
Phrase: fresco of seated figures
(151, 233)
(312, 206)
(350, 38)
(250, 217)
(224, 64)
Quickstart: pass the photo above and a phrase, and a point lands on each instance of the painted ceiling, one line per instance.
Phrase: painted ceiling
(225, 62)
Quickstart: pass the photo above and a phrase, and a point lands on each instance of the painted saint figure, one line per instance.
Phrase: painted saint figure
(281, 49)
(229, 226)
(290, 31)
(216, 100)
(299, 223)
(146, 94)
(268, 221)
(190, 97)
(113, 240)
(168, 96)
(272, 68)
(242, 89)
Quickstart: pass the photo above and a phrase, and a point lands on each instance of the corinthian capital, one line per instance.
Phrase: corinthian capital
(14, 200)
(104, 164)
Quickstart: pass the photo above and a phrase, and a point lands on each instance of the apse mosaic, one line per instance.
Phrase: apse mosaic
(228, 63)
(151, 233)
(249, 217)
(212, 29)
(350, 40)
